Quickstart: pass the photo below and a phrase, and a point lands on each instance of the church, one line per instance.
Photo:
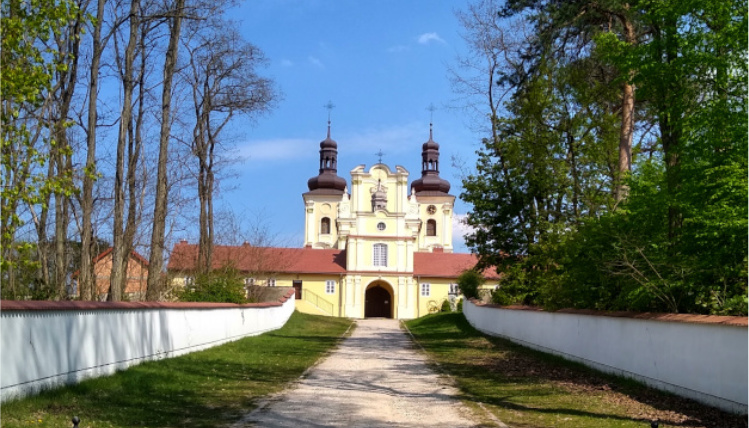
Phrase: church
(376, 248)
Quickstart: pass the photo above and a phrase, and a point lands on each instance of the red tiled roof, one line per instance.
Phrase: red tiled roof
(447, 265)
(247, 258)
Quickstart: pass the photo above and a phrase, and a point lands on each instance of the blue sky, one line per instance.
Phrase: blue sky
(381, 64)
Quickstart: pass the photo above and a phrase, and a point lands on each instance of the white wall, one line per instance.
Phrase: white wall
(706, 362)
(44, 348)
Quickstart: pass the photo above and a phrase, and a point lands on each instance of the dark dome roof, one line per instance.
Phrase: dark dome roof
(327, 180)
(430, 183)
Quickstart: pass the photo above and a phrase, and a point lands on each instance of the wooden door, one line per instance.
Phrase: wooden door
(378, 303)
(297, 289)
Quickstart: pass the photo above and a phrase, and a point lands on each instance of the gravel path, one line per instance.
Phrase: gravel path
(375, 378)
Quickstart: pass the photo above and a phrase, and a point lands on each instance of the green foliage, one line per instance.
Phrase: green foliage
(678, 242)
(459, 306)
(445, 306)
(469, 282)
(222, 286)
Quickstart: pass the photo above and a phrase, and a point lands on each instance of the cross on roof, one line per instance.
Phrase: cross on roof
(380, 153)
(330, 106)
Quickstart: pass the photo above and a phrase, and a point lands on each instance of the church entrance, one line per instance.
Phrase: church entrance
(378, 301)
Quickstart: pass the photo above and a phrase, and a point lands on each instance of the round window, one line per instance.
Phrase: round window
(380, 226)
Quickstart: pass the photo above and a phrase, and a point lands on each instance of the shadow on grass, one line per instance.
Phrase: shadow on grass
(202, 389)
(511, 377)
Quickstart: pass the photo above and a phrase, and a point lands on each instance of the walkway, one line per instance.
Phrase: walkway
(374, 379)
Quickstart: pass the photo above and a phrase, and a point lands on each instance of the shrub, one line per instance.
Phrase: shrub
(460, 306)
(445, 306)
(469, 282)
(223, 286)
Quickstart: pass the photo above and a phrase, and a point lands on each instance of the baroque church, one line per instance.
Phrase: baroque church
(376, 248)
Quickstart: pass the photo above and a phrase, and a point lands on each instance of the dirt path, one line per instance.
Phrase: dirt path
(375, 378)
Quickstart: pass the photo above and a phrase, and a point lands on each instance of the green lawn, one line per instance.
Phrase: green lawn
(202, 389)
(525, 388)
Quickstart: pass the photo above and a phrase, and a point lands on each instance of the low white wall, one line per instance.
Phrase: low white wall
(703, 361)
(42, 348)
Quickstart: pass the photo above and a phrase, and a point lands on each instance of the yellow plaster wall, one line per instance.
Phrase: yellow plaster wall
(439, 290)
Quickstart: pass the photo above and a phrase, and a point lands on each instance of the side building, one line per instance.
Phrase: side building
(377, 250)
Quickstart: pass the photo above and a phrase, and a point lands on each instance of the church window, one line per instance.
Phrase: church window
(330, 286)
(325, 226)
(271, 282)
(380, 226)
(454, 290)
(425, 289)
(431, 228)
(380, 255)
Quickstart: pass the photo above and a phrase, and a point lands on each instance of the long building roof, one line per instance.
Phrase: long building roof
(248, 258)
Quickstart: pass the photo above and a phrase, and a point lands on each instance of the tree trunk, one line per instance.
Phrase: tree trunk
(627, 128)
(119, 250)
(86, 281)
(156, 262)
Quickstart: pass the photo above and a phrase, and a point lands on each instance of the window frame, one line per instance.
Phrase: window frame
(425, 289)
(454, 289)
(431, 227)
(325, 223)
(330, 286)
(380, 255)
(271, 282)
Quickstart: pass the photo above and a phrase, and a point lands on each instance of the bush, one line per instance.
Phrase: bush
(223, 286)
(469, 282)
(460, 306)
(445, 306)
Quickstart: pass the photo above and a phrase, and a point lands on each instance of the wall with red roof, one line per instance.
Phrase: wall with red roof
(47, 344)
(696, 356)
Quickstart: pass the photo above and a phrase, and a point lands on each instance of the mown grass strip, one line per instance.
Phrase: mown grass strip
(202, 389)
(526, 388)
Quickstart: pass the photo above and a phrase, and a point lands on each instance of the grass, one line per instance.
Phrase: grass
(525, 388)
(203, 389)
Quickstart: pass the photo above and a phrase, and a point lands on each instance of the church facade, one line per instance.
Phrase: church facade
(376, 248)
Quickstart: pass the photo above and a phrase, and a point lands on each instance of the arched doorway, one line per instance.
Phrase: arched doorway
(378, 301)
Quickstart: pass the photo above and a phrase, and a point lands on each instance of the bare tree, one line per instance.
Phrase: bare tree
(223, 82)
(156, 261)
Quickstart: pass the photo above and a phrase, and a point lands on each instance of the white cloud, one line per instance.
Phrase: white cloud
(316, 62)
(277, 149)
(425, 38)
(286, 63)
(460, 229)
(397, 48)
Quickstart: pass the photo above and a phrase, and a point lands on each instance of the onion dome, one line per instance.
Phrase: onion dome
(328, 180)
(430, 183)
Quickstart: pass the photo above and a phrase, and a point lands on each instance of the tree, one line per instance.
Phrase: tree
(28, 70)
(223, 82)
(156, 260)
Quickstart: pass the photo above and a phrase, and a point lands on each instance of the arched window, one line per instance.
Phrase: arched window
(431, 228)
(325, 226)
(380, 255)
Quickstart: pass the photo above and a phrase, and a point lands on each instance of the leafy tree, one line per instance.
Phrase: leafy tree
(223, 286)
(28, 62)
(469, 282)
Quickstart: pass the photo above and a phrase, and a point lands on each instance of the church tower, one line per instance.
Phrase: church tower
(435, 203)
(321, 202)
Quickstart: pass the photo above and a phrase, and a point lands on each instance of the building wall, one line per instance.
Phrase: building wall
(137, 277)
(706, 362)
(71, 341)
